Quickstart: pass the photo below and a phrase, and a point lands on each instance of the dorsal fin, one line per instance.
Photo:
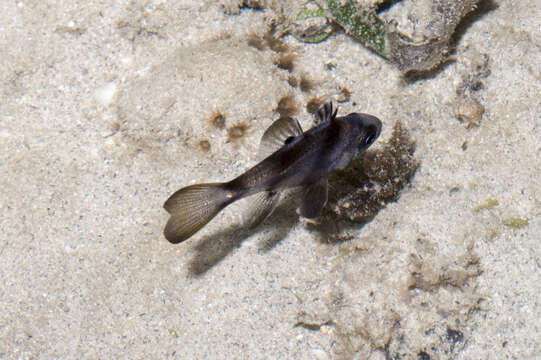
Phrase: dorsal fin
(325, 113)
(281, 131)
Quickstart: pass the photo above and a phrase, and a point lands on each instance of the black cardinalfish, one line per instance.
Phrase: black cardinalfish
(291, 158)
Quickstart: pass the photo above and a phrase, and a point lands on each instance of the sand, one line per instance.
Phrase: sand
(102, 113)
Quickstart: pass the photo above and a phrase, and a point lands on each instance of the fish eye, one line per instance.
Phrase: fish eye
(370, 136)
(369, 139)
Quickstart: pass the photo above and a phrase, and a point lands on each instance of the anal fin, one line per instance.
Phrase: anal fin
(261, 206)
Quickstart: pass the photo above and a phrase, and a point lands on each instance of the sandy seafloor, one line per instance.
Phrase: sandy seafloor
(102, 107)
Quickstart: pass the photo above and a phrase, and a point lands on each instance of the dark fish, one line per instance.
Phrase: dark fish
(291, 159)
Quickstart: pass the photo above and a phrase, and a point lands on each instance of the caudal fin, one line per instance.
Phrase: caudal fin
(193, 207)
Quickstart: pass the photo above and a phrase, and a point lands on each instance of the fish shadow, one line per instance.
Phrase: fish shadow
(213, 248)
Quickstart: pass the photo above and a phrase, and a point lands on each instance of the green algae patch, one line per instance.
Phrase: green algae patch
(515, 222)
(360, 23)
(311, 24)
(488, 203)
(307, 13)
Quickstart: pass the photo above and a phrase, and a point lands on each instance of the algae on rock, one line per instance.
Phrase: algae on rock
(361, 23)
(412, 51)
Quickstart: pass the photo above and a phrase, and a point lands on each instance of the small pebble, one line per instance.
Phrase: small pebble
(470, 111)
(105, 94)
(204, 144)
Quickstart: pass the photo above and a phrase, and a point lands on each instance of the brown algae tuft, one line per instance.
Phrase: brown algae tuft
(271, 39)
(286, 61)
(375, 180)
(286, 106)
(204, 144)
(257, 42)
(313, 105)
(274, 42)
(237, 131)
(305, 84)
(292, 81)
(218, 120)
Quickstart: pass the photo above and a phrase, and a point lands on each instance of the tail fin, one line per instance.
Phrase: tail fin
(193, 207)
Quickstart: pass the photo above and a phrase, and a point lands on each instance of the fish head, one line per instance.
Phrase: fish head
(367, 127)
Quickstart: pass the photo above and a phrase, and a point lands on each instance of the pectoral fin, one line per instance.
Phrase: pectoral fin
(261, 206)
(313, 199)
(278, 134)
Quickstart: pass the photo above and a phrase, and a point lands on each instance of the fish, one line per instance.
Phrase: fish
(292, 158)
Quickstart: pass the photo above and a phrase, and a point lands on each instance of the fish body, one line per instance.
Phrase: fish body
(292, 158)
